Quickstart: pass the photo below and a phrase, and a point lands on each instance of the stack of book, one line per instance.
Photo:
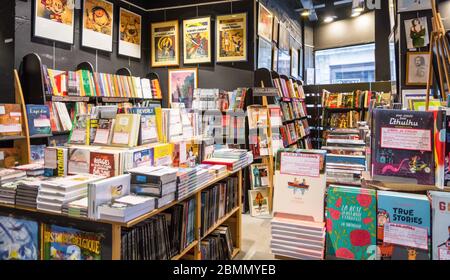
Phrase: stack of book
(8, 193)
(32, 169)
(217, 201)
(54, 194)
(181, 221)
(149, 240)
(297, 239)
(158, 182)
(234, 159)
(126, 208)
(27, 193)
(10, 175)
(218, 245)
(187, 181)
(77, 208)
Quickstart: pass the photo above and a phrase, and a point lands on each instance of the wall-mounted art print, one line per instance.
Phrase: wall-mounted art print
(19, 239)
(276, 25)
(265, 23)
(416, 30)
(283, 38)
(275, 59)
(413, 5)
(284, 63)
(54, 20)
(417, 65)
(197, 40)
(165, 50)
(98, 18)
(294, 62)
(231, 38)
(182, 83)
(264, 54)
(130, 34)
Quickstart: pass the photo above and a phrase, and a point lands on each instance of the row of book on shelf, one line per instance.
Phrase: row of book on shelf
(216, 99)
(288, 88)
(86, 83)
(313, 221)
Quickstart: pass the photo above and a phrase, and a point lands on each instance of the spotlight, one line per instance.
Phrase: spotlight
(305, 13)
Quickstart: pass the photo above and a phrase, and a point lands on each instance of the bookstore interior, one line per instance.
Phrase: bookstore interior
(220, 130)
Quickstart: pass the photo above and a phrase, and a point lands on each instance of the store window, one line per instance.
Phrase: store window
(354, 64)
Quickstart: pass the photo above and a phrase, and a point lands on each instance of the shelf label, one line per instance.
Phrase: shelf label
(70, 98)
(259, 91)
(406, 235)
(115, 99)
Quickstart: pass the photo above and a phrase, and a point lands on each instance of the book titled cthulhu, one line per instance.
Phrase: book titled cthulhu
(351, 223)
(408, 146)
(300, 182)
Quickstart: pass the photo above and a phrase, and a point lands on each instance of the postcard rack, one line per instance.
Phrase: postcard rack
(112, 231)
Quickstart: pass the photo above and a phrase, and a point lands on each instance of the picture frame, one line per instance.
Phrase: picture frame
(276, 25)
(130, 34)
(275, 59)
(165, 44)
(416, 33)
(284, 63)
(54, 23)
(259, 202)
(413, 5)
(265, 23)
(231, 38)
(283, 38)
(264, 53)
(417, 65)
(97, 25)
(197, 40)
(181, 83)
(294, 62)
(259, 173)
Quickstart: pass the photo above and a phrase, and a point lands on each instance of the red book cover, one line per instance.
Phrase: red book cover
(102, 164)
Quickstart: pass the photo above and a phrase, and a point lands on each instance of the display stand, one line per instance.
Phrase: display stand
(111, 245)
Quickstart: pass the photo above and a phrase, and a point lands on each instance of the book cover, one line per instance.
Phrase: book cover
(37, 153)
(406, 145)
(351, 223)
(19, 239)
(404, 227)
(104, 164)
(10, 120)
(148, 131)
(126, 130)
(79, 160)
(55, 161)
(259, 175)
(300, 182)
(64, 243)
(441, 225)
(259, 202)
(80, 130)
(38, 119)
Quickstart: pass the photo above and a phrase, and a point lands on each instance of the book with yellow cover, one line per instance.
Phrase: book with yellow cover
(162, 154)
(126, 130)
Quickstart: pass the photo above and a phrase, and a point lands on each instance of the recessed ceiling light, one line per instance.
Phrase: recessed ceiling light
(328, 19)
(305, 13)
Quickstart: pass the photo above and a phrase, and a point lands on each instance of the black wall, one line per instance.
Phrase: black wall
(382, 32)
(7, 52)
(67, 57)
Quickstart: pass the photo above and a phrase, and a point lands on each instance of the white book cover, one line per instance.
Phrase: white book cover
(300, 183)
(105, 191)
(146, 88)
(441, 225)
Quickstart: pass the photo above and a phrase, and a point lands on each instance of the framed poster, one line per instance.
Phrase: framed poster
(276, 25)
(182, 83)
(54, 20)
(97, 26)
(265, 23)
(275, 59)
(416, 31)
(264, 54)
(130, 34)
(259, 202)
(164, 41)
(284, 63)
(231, 38)
(413, 5)
(197, 40)
(19, 239)
(294, 62)
(283, 38)
(417, 65)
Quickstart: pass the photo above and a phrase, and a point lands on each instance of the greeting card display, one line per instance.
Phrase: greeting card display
(407, 147)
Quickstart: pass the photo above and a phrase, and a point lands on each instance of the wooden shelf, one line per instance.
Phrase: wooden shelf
(236, 251)
(10, 138)
(40, 136)
(220, 222)
(185, 251)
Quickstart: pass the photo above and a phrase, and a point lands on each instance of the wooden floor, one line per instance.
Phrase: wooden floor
(255, 239)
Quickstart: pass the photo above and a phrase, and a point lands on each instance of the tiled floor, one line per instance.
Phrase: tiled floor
(255, 239)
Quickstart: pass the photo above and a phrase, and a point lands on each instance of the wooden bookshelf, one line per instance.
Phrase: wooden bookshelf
(233, 218)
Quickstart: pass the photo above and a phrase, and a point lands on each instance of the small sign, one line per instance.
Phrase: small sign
(115, 99)
(259, 91)
(70, 98)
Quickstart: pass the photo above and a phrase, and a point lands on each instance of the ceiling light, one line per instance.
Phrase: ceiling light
(306, 13)
(328, 19)
(356, 14)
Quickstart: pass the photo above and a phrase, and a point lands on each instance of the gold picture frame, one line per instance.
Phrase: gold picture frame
(231, 38)
(181, 83)
(197, 40)
(265, 23)
(165, 44)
